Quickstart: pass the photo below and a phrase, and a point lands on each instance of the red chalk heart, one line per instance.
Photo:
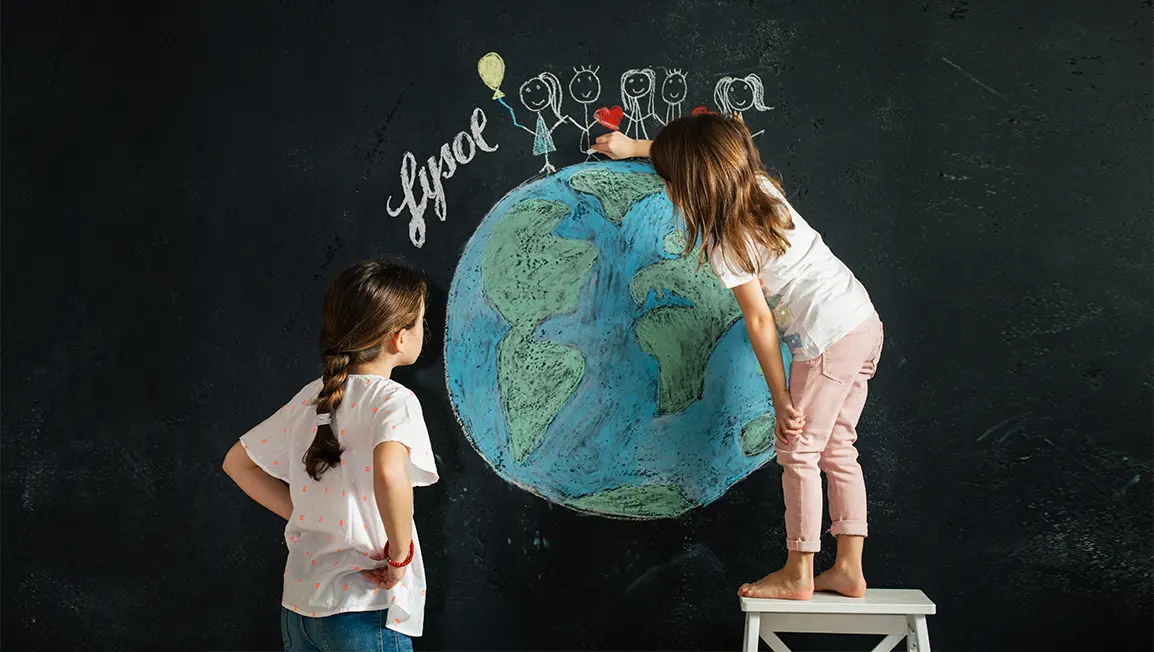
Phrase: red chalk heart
(703, 110)
(610, 118)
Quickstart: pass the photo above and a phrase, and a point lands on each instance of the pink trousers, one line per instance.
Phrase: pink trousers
(830, 390)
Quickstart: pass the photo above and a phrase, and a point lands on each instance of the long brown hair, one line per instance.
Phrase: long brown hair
(714, 177)
(366, 304)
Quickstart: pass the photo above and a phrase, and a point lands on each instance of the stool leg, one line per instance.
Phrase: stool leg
(752, 631)
(775, 643)
(887, 644)
(917, 634)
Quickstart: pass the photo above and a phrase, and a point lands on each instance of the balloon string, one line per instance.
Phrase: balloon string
(513, 115)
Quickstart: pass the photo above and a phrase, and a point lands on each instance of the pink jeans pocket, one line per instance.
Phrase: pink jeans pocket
(840, 369)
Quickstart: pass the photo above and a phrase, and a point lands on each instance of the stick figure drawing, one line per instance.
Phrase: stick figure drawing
(673, 92)
(637, 86)
(740, 94)
(585, 89)
(537, 94)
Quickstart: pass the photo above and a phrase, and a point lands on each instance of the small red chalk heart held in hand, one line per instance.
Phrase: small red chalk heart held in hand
(609, 118)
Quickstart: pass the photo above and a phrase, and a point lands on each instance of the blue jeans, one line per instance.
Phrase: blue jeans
(355, 631)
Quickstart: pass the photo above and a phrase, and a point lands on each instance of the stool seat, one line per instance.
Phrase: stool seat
(892, 613)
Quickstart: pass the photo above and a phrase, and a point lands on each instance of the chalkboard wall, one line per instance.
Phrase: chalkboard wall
(182, 180)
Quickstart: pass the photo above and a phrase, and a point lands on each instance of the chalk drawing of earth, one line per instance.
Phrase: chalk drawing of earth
(592, 365)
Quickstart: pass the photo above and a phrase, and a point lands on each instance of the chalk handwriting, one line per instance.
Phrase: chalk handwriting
(439, 166)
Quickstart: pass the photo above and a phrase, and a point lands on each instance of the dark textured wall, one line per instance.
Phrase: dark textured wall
(181, 180)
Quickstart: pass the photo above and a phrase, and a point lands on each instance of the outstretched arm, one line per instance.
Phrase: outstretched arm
(560, 119)
(514, 116)
(617, 145)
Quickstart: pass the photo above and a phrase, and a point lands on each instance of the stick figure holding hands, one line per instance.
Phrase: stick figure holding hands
(537, 94)
(585, 88)
(637, 96)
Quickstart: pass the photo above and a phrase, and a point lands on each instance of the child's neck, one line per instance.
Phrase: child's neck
(383, 366)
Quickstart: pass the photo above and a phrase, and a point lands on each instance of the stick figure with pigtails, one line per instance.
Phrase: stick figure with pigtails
(736, 95)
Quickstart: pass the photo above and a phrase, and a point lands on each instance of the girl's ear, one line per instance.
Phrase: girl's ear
(394, 342)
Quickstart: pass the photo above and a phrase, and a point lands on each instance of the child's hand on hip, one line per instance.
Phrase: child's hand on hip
(790, 420)
(615, 145)
(387, 577)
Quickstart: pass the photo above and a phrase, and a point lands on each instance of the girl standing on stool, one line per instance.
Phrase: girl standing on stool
(788, 284)
(350, 446)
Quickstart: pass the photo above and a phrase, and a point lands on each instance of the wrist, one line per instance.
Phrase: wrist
(641, 148)
(408, 559)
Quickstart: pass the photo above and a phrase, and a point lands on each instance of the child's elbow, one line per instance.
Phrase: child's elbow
(392, 478)
(233, 461)
(759, 323)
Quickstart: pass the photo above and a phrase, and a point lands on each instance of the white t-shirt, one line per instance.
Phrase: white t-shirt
(335, 522)
(815, 298)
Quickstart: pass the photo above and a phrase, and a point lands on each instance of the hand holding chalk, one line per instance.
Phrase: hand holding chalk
(617, 145)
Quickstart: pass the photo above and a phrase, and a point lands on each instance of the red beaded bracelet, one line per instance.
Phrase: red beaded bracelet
(400, 564)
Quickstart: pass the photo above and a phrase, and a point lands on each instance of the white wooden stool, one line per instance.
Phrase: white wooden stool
(893, 613)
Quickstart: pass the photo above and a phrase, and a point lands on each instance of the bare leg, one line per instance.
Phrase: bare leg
(793, 582)
(846, 576)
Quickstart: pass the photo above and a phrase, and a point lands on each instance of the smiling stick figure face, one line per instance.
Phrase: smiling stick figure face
(740, 95)
(535, 94)
(636, 86)
(673, 89)
(585, 87)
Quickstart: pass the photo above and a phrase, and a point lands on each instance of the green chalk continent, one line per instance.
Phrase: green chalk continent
(529, 275)
(757, 435)
(681, 338)
(617, 191)
(645, 501)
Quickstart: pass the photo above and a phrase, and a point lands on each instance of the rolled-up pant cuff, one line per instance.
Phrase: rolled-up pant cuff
(803, 546)
(852, 528)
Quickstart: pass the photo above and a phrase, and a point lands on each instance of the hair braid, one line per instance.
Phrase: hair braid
(325, 451)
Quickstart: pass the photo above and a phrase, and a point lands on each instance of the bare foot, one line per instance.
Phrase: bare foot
(780, 585)
(848, 582)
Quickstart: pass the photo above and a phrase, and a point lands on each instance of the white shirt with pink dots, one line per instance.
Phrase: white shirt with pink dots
(335, 522)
